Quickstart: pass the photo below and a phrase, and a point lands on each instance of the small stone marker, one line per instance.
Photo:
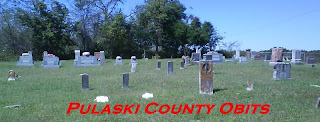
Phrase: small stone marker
(158, 65)
(118, 60)
(170, 67)
(14, 106)
(125, 80)
(85, 81)
(282, 71)
(11, 75)
(45, 53)
(76, 55)
(233, 59)
(187, 61)
(133, 67)
(249, 86)
(318, 103)
(205, 77)
(311, 60)
(181, 64)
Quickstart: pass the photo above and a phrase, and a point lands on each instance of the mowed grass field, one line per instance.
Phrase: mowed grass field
(45, 94)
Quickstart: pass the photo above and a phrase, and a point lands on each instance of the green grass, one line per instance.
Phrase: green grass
(45, 94)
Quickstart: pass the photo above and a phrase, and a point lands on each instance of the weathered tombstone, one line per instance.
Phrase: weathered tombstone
(86, 61)
(170, 67)
(102, 57)
(182, 64)
(282, 71)
(133, 67)
(125, 80)
(11, 75)
(252, 55)
(196, 57)
(296, 57)
(237, 54)
(26, 59)
(187, 61)
(158, 65)
(243, 60)
(276, 57)
(50, 61)
(267, 57)
(118, 60)
(248, 53)
(318, 103)
(311, 60)
(133, 59)
(85, 81)
(205, 77)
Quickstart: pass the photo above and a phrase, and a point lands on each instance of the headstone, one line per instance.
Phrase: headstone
(243, 60)
(237, 54)
(187, 61)
(125, 80)
(318, 103)
(26, 60)
(76, 55)
(11, 75)
(296, 57)
(196, 58)
(276, 56)
(205, 77)
(158, 65)
(248, 53)
(207, 57)
(257, 56)
(233, 60)
(118, 60)
(133, 67)
(45, 53)
(181, 64)
(86, 61)
(133, 59)
(217, 58)
(102, 57)
(85, 82)
(98, 55)
(282, 71)
(170, 67)
(50, 62)
(311, 60)
(267, 57)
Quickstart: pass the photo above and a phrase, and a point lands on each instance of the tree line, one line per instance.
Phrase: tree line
(158, 27)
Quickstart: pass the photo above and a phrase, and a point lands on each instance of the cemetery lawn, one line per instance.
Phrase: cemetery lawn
(45, 94)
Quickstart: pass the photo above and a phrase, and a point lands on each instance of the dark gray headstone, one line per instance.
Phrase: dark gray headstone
(187, 60)
(196, 57)
(85, 82)
(170, 67)
(282, 71)
(125, 80)
(158, 65)
(181, 64)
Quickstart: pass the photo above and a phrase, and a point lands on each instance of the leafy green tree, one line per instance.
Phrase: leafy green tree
(50, 28)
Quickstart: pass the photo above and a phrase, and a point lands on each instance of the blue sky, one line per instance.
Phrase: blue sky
(258, 24)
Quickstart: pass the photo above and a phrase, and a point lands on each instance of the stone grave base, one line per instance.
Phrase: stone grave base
(27, 65)
(296, 62)
(274, 63)
(50, 66)
(86, 65)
